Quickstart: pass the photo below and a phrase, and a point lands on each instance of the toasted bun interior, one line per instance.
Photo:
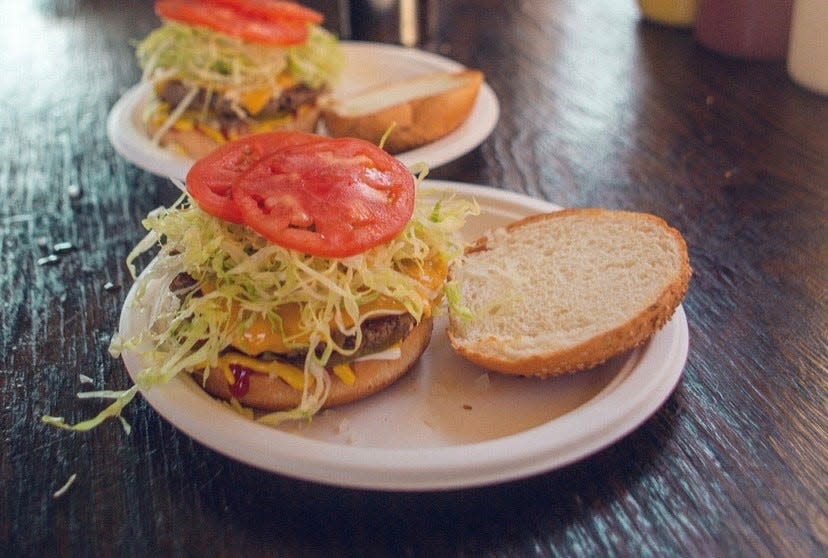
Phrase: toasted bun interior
(564, 291)
(272, 394)
(421, 110)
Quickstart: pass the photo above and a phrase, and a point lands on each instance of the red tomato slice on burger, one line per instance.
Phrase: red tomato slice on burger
(228, 21)
(272, 10)
(331, 198)
(210, 178)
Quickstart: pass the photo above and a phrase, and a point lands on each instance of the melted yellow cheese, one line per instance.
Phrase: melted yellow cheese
(345, 373)
(288, 373)
(430, 277)
(286, 80)
(190, 121)
(270, 124)
(184, 125)
(261, 336)
(212, 133)
(254, 101)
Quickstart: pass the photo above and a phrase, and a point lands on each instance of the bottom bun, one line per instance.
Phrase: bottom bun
(272, 394)
(196, 144)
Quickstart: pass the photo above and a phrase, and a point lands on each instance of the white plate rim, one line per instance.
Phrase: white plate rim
(613, 413)
(132, 144)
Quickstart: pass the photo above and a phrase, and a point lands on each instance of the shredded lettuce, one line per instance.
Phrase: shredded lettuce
(241, 277)
(213, 65)
(454, 298)
(201, 56)
(319, 60)
(218, 62)
(122, 398)
(66, 486)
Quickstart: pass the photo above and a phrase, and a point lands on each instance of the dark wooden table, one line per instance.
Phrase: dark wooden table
(597, 109)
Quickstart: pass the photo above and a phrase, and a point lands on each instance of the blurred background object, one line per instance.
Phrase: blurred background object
(407, 22)
(678, 13)
(751, 29)
(808, 47)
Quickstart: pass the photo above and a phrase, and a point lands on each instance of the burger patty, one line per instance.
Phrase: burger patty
(181, 284)
(290, 99)
(378, 333)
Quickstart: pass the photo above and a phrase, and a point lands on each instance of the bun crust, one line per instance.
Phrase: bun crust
(272, 394)
(423, 109)
(561, 292)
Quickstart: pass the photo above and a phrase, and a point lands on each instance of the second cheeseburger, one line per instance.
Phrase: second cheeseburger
(304, 273)
(223, 69)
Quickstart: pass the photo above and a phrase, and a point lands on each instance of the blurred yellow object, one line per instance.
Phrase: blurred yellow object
(679, 13)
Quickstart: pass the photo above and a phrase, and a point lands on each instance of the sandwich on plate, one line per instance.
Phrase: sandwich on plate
(298, 272)
(219, 70)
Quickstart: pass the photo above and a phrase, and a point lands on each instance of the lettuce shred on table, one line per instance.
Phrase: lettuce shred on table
(241, 270)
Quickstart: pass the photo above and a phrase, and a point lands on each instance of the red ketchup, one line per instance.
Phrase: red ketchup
(241, 374)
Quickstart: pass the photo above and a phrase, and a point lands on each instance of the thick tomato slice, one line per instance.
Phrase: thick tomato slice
(286, 31)
(210, 178)
(272, 10)
(331, 198)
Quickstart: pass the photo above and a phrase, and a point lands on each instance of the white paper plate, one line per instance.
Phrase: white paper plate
(447, 424)
(367, 64)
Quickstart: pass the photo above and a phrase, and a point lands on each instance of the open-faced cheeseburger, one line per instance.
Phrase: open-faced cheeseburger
(304, 273)
(223, 69)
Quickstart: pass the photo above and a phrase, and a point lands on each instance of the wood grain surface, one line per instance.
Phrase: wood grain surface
(597, 109)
